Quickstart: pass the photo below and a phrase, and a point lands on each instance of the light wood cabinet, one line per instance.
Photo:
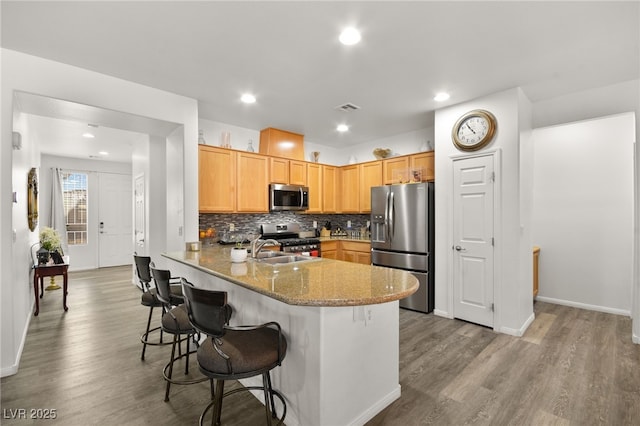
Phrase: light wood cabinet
(350, 189)
(370, 176)
(282, 143)
(397, 170)
(355, 251)
(237, 181)
(216, 179)
(278, 170)
(329, 249)
(298, 173)
(425, 161)
(314, 182)
(252, 181)
(348, 251)
(329, 189)
(394, 169)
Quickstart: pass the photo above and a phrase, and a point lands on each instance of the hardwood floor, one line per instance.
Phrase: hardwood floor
(573, 367)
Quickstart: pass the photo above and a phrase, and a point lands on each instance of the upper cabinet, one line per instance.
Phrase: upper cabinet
(401, 169)
(282, 143)
(329, 189)
(370, 176)
(238, 181)
(350, 189)
(252, 181)
(298, 173)
(314, 182)
(278, 170)
(424, 161)
(216, 179)
(393, 167)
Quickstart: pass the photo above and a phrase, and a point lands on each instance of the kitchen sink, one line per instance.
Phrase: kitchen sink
(267, 254)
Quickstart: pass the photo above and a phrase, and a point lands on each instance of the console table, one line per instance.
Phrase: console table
(41, 271)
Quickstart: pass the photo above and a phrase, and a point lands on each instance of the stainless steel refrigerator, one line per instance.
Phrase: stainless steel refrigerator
(402, 236)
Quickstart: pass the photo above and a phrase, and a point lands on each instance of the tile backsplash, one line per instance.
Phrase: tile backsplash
(250, 223)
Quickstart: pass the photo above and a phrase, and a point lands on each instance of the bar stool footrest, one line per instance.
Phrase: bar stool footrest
(250, 388)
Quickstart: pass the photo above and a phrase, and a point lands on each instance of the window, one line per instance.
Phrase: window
(74, 192)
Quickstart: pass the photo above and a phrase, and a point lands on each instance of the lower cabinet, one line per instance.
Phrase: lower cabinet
(349, 251)
(329, 249)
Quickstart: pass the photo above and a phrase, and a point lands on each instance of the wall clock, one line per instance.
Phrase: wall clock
(474, 130)
(32, 199)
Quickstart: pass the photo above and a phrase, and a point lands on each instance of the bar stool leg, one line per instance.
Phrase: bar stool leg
(146, 334)
(170, 373)
(267, 397)
(217, 409)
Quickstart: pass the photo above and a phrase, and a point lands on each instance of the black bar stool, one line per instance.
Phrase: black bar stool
(176, 322)
(232, 353)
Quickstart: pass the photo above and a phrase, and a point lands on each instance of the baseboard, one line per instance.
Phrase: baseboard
(586, 306)
(518, 332)
(13, 369)
(440, 313)
(377, 407)
(362, 419)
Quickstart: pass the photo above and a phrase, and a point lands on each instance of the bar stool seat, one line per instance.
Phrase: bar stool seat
(234, 352)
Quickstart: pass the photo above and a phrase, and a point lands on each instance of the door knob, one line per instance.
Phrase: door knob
(458, 248)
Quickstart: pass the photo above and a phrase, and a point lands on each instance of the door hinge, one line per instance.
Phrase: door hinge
(493, 242)
(493, 176)
(492, 308)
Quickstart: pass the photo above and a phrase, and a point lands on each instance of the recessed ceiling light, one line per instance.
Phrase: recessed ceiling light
(248, 98)
(342, 128)
(442, 96)
(103, 153)
(88, 135)
(349, 36)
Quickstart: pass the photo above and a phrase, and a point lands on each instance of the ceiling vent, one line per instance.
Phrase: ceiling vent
(348, 107)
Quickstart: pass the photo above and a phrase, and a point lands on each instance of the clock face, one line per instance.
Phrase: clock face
(474, 130)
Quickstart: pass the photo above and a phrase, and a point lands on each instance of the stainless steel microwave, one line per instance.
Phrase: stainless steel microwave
(288, 197)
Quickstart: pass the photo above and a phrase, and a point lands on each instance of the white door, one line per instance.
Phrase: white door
(115, 227)
(473, 239)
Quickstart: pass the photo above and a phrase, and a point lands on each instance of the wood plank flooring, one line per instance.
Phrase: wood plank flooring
(573, 367)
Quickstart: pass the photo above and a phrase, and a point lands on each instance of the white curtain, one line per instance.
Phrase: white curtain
(58, 220)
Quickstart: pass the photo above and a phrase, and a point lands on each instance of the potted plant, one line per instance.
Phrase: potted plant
(238, 253)
(49, 242)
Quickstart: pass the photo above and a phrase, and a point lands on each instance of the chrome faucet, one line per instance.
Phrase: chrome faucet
(257, 244)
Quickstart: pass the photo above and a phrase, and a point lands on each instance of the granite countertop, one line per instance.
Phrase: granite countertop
(316, 282)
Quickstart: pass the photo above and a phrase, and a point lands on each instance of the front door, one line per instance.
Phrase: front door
(115, 221)
(473, 211)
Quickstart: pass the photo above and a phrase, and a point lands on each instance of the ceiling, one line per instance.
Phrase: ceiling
(288, 55)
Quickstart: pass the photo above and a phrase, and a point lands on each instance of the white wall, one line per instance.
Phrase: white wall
(240, 137)
(53, 79)
(512, 288)
(404, 143)
(16, 294)
(583, 212)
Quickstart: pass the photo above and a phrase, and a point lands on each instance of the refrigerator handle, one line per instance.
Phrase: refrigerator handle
(391, 218)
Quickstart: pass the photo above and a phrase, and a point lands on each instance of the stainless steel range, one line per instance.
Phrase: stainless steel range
(288, 235)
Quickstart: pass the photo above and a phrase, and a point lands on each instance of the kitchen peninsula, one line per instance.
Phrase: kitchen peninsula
(341, 321)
